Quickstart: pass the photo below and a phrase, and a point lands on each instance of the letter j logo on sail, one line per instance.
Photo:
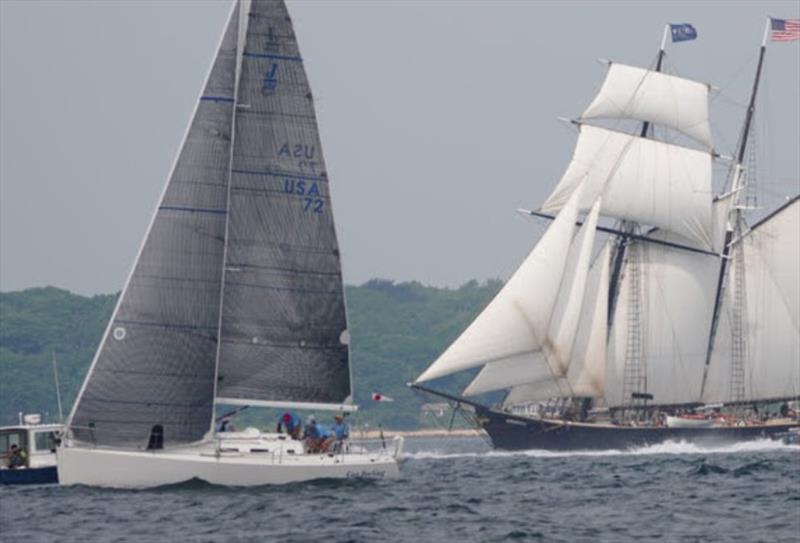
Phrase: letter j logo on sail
(270, 79)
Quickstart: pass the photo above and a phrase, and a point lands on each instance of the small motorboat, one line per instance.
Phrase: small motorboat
(37, 445)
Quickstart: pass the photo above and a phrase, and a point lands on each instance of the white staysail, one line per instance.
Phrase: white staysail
(526, 368)
(567, 313)
(586, 373)
(674, 313)
(552, 362)
(533, 392)
(771, 308)
(640, 180)
(515, 322)
(630, 92)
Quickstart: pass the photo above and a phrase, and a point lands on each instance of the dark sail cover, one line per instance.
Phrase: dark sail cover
(283, 324)
(155, 365)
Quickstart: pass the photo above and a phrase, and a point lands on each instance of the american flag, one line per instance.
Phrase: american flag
(785, 29)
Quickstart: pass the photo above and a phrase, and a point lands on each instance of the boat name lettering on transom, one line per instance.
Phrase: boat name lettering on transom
(309, 190)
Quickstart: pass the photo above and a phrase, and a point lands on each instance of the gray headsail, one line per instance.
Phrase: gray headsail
(284, 328)
(153, 374)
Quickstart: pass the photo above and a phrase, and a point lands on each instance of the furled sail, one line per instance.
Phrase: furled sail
(552, 362)
(284, 328)
(645, 95)
(515, 322)
(155, 364)
(673, 308)
(771, 307)
(640, 180)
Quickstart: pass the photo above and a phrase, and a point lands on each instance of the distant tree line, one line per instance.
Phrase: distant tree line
(397, 329)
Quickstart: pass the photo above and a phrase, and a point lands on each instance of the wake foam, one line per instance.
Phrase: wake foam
(667, 447)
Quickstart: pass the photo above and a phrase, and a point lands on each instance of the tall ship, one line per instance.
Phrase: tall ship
(651, 309)
(236, 295)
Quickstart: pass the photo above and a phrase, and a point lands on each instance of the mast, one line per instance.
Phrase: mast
(58, 387)
(634, 375)
(734, 226)
(241, 30)
(627, 226)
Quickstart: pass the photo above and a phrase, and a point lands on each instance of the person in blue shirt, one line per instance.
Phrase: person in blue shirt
(317, 437)
(291, 423)
(341, 431)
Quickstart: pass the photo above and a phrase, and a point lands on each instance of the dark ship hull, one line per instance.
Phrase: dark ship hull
(517, 432)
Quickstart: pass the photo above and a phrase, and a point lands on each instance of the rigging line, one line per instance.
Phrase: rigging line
(630, 235)
(737, 215)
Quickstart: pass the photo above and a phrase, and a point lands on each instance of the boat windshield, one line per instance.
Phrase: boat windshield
(9, 438)
(45, 441)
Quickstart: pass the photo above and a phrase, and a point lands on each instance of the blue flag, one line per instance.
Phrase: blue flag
(683, 32)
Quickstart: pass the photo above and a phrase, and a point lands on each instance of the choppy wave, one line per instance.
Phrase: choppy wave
(674, 491)
(666, 448)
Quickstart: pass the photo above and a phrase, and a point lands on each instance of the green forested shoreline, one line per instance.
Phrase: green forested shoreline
(396, 330)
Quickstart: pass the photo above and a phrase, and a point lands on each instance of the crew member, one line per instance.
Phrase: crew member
(291, 423)
(317, 437)
(340, 432)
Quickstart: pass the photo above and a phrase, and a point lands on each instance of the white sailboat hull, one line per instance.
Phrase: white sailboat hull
(206, 462)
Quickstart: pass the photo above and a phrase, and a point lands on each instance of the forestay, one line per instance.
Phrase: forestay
(155, 364)
(515, 321)
(629, 92)
(640, 180)
(284, 329)
(771, 308)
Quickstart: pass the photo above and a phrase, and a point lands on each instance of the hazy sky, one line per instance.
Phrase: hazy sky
(438, 120)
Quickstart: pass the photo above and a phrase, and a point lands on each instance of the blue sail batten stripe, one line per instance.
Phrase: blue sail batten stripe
(216, 99)
(193, 209)
(273, 57)
(279, 174)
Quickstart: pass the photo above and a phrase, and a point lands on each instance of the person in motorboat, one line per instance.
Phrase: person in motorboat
(317, 437)
(291, 423)
(17, 457)
(341, 431)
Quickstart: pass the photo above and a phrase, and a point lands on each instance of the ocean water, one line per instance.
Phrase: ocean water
(454, 489)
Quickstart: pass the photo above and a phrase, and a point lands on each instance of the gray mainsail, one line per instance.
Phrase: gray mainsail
(284, 328)
(156, 363)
